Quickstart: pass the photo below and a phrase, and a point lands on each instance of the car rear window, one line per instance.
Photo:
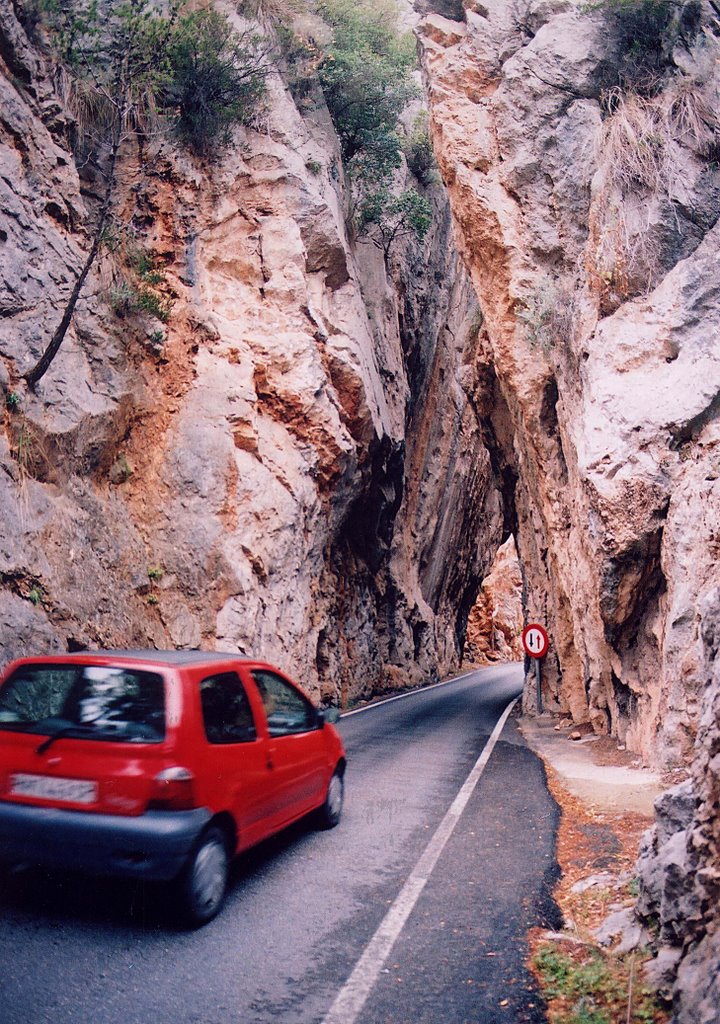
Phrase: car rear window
(92, 701)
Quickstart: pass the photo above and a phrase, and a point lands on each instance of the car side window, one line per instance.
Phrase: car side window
(227, 716)
(286, 710)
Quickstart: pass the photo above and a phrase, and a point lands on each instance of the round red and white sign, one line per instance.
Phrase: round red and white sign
(535, 640)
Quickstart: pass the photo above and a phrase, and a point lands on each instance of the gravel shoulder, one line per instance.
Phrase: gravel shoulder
(592, 969)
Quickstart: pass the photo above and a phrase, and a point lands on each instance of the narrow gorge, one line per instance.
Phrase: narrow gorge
(283, 422)
(294, 463)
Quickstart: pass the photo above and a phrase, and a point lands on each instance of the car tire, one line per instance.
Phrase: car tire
(329, 814)
(203, 882)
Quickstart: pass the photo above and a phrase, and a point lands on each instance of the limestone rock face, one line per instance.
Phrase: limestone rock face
(496, 620)
(679, 866)
(292, 466)
(597, 279)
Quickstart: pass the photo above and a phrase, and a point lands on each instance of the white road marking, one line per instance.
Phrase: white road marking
(351, 998)
(410, 693)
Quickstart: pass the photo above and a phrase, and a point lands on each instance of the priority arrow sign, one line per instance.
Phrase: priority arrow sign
(535, 640)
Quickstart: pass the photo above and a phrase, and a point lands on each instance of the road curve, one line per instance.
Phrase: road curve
(303, 907)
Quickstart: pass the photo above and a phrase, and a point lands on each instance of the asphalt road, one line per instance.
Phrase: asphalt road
(304, 907)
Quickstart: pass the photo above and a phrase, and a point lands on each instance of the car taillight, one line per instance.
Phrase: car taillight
(173, 790)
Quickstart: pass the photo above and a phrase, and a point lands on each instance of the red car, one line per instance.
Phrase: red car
(159, 765)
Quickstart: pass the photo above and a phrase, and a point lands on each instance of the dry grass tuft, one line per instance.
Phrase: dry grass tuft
(642, 135)
(643, 156)
(635, 144)
(95, 113)
(282, 12)
(689, 118)
(91, 110)
(548, 316)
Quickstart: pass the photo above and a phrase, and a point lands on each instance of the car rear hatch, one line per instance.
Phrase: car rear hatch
(83, 736)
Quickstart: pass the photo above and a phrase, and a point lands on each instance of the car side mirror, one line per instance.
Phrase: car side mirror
(330, 715)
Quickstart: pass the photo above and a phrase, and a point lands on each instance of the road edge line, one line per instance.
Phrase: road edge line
(352, 996)
(423, 689)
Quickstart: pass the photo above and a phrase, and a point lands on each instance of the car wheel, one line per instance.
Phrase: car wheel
(203, 881)
(331, 811)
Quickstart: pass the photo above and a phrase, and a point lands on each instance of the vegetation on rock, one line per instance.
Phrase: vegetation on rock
(364, 67)
(658, 117)
(366, 78)
(216, 78)
(646, 32)
(395, 216)
(419, 152)
(587, 987)
(129, 69)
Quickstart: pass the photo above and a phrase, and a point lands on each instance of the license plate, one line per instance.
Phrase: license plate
(48, 787)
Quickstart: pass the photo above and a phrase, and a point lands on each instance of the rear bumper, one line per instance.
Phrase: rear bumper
(154, 845)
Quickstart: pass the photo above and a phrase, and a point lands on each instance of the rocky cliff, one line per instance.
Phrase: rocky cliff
(679, 866)
(583, 177)
(495, 623)
(580, 152)
(278, 454)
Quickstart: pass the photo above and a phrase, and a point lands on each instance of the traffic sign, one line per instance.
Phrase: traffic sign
(535, 640)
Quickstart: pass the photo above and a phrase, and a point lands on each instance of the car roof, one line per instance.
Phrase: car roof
(170, 658)
(174, 657)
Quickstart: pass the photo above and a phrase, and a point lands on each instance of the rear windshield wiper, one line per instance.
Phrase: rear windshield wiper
(66, 730)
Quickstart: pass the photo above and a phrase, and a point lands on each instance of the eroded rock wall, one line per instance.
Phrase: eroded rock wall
(494, 628)
(679, 866)
(291, 466)
(597, 279)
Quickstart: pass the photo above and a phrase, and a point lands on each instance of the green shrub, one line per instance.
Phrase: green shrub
(116, 55)
(364, 66)
(187, 64)
(366, 76)
(555, 969)
(150, 302)
(300, 57)
(216, 78)
(595, 990)
(388, 217)
(145, 266)
(586, 1015)
(127, 299)
(419, 152)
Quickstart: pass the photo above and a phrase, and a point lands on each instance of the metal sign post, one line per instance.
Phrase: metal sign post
(535, 643)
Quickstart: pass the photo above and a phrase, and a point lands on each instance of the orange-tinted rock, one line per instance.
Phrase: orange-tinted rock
(496, 620)
(598, 329)
(307, 467)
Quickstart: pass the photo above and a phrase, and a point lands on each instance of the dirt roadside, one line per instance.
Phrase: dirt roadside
(592, 972)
